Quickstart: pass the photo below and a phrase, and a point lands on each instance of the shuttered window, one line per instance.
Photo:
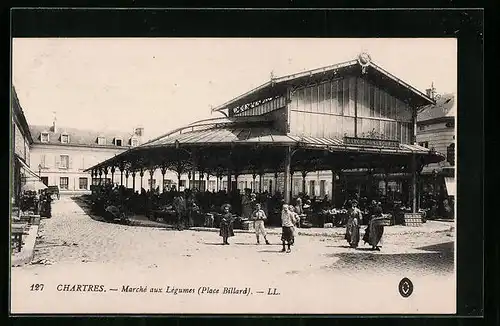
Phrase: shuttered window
(42, 161)
(83, 183)
(63, 183)
(64, 162)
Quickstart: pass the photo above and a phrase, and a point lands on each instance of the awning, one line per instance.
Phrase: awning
(451, 186)
(33, 185)
(31, 175)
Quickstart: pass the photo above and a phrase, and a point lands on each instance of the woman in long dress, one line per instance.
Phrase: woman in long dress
(299, 209)
(353, 223)
(179, 204)
(375, 229)
(247, 203)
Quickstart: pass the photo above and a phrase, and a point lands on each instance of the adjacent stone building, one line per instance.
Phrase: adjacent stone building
(436, 130)
(21, 141)
(60, 154)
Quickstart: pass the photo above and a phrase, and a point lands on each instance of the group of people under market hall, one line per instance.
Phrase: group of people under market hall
(290, 221)
(189, 205)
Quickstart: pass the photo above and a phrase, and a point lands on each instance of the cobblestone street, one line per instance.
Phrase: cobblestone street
(74, 248)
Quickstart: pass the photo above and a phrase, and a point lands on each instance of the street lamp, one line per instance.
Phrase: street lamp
(40, 171)
(435, 174)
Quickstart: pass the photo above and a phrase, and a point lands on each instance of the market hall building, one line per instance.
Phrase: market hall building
(348, 117)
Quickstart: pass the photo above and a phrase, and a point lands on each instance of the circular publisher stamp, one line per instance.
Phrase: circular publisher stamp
(405, 287)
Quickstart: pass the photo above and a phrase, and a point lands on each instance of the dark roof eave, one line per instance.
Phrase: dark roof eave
(435, 120)
(18, 111)
(280, 80)
(426, 99)
(332, 148)
(84, 145)
(274, 82)
(109, 160)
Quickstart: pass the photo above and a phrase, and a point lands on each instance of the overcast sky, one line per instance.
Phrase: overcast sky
(164, 83)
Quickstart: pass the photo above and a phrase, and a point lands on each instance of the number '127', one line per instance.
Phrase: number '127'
(36, 287)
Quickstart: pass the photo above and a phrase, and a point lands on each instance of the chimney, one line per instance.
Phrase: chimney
(431, 92)
(54, 125)
(139, 131)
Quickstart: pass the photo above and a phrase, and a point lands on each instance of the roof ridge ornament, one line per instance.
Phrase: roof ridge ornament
(364, 60)
(272, 78)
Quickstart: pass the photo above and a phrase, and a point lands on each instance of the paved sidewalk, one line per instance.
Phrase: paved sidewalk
(27, 251)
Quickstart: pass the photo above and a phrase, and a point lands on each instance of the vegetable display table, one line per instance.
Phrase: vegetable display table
(17, 232)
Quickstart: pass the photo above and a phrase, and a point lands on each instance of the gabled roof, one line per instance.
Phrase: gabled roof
(374, 72)
(209, 123)
(80, 137)
(446, 106)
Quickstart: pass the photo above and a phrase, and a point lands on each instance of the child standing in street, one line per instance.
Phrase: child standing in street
(259, 217)
(288, 220)
(226, 224)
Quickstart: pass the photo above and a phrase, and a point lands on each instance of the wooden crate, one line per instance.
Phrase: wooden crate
(413, 219)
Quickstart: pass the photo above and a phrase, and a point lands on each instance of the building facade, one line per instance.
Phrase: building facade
(61, 154)
(21, 140)
(437, 130)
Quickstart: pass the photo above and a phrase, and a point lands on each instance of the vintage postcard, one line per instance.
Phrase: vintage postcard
(233, 175)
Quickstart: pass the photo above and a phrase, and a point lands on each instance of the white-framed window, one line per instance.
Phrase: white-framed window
(63, 183)
(118, 142)
(167, 183)
(134, 142)
(312, 188)
(101, 141)
(212, 185)
(42, 161)
(424, 144)
(322, 188)
(65, 138)
(64, 162)
(44, 137)
(83, 183)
